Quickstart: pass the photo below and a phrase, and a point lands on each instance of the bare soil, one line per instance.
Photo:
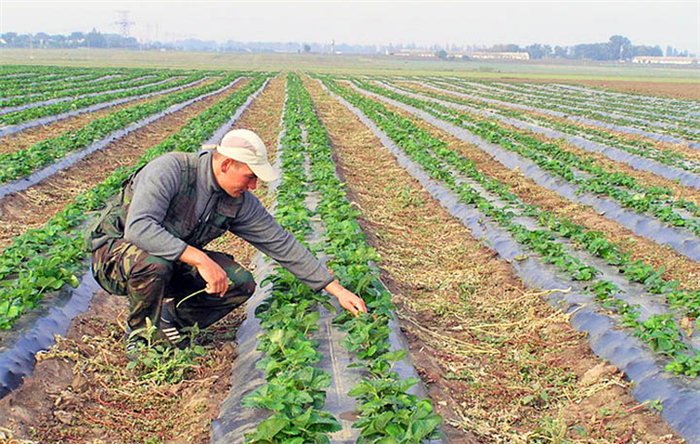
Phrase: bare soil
(499, 363)
(677, 267)
(676, 90)
(81, 391)
(25, 139)
(33, 207)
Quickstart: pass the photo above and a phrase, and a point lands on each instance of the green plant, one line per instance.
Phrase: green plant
(411, 197)
(432, 153)
(550, 431)
(29, 265)
(161, 363)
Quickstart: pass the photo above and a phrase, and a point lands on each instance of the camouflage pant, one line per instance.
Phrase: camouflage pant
(124, 269)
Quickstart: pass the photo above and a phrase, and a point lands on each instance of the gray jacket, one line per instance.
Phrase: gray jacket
(158, 182)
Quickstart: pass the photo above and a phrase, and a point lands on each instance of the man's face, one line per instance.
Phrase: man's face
(236, 178)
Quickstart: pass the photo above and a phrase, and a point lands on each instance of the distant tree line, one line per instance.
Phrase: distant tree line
(92, 39)
(617, 48)
(95, 39)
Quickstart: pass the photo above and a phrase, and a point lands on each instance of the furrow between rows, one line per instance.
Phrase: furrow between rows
(680, 396)
(682, 240)
(484, 346)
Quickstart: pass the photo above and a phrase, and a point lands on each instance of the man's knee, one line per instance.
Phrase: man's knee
(243, 283)
(248, 287)
(122, 265)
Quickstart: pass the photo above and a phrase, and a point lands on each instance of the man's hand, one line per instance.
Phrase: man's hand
(212, 273)
(347, 299)
(215, 277)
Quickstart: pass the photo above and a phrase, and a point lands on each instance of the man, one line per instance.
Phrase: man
(149, 245)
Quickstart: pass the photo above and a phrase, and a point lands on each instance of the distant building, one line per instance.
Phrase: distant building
(500, 56)
(665, 60)
(412, 53)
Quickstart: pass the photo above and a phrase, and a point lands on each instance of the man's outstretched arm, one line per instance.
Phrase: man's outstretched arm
(347, 299)
(258, 227)
(217, 281)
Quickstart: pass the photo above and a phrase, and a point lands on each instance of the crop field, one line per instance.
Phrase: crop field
(529, 251)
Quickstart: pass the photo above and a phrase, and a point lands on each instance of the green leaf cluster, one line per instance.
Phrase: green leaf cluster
(437, 159)
(16, 117)
(112, 82)
(49, 257)
(19, 163)
(294, 391)
(389, 414)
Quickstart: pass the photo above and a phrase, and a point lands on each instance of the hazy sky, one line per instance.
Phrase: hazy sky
(675, 23)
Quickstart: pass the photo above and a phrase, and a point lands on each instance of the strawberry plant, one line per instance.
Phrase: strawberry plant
(628, 192)
(57, 250)
(388, 413)
(294, 390)
(668, 126)
(407, 136)
(16, 117)
(22, 162)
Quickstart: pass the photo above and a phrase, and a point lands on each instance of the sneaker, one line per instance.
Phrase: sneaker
(134, 345)
(170, 328)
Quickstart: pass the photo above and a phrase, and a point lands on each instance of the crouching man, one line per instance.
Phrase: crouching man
(149, 245)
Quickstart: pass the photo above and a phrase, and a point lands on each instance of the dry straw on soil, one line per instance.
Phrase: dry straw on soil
(82, 392)
(500, 364)
(677, 267)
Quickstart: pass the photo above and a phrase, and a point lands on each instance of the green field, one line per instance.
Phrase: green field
(348, 64)
(452, 181)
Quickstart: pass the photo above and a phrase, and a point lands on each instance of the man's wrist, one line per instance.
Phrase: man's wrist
(333, 288)
(193, 256)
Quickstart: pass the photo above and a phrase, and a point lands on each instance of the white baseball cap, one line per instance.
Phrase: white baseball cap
(247, 147)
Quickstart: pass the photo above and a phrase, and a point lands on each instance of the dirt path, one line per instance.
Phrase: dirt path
(25, 139)
(33, 207)
(81, 390)
(677, 266)
(685, 91)
(500, 364)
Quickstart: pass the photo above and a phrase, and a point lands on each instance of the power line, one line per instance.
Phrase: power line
(124, 24)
